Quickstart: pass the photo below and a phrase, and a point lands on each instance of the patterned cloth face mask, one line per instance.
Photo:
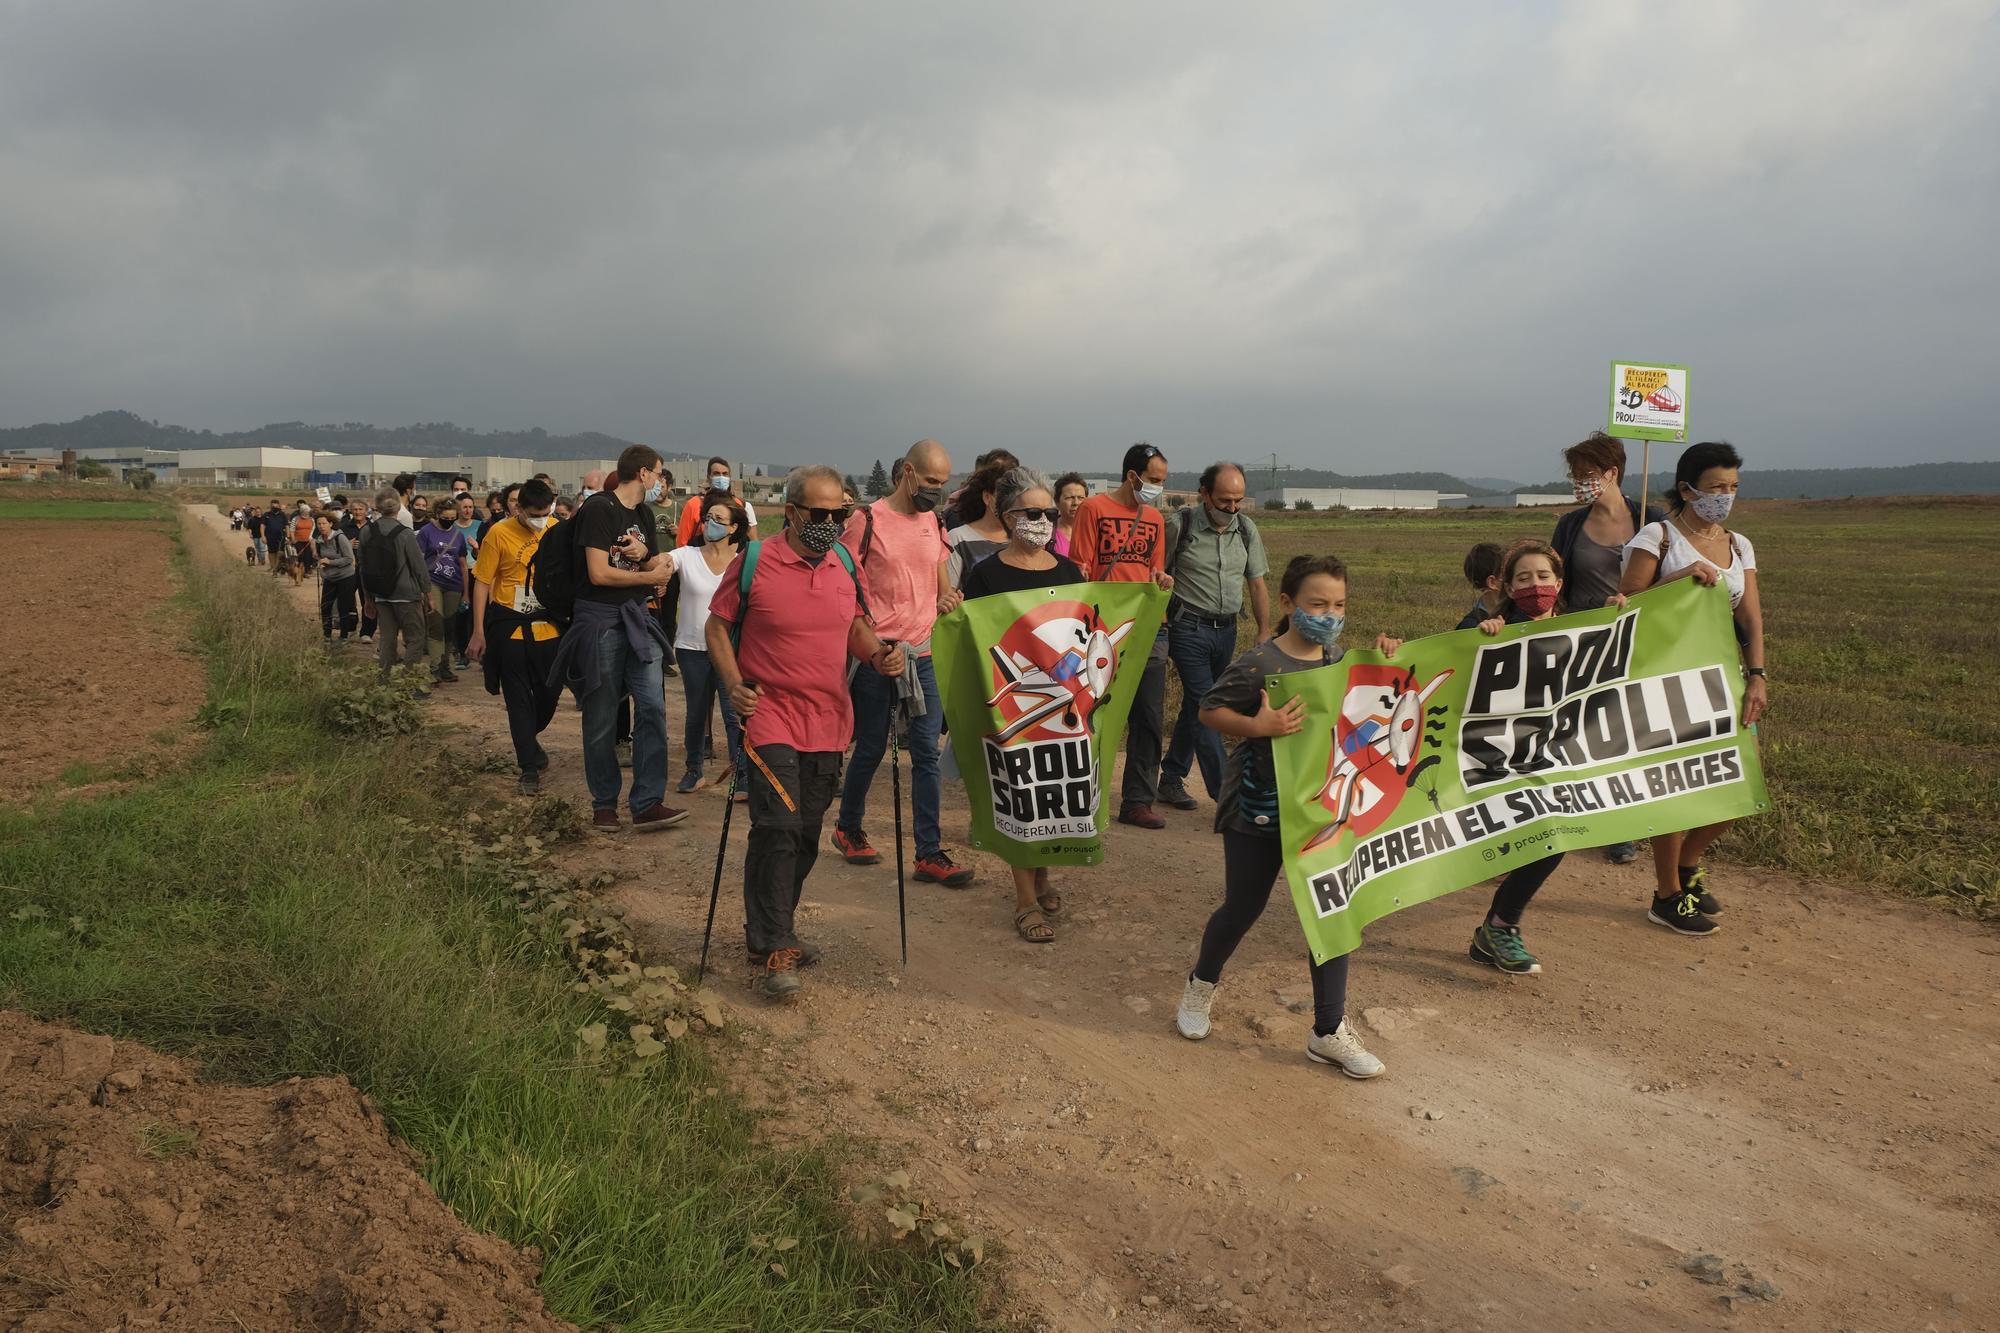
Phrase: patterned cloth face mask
(1322, 630)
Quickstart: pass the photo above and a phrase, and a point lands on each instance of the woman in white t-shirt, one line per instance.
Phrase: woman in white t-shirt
(724, 529)
(1692, 543)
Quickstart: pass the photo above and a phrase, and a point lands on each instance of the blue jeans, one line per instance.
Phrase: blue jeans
(1200, 653)
(874, 713)
(701, 686)
(621, 672)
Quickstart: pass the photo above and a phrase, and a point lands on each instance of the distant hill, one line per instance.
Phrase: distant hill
(1839, 483)
(127, 430)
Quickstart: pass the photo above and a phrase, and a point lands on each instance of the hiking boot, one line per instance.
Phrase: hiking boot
(939, 868)
(807, 951)
(1343, 1050)
(852, 844)
(1176, 795)
(531, 782)
(604, 821)
(1192, 1017)
(781, 974)
(1622, 853)
(447, 677)
(1140, 816)
(1681, 913)
(1695, 881)
(658, 817)
(688, 782)
(1501, 947)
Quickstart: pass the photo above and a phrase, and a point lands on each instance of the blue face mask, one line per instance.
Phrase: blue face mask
(714, 530)
(1322, 630)
(719, 482)
(655, 491)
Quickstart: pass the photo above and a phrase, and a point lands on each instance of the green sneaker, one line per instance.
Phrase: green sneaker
(1501, 947)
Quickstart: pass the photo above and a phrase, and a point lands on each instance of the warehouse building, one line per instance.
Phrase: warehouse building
(256, 467)
(1344, 497)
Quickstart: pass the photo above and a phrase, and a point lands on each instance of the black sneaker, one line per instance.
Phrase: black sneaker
(1176, 795)
(531, 782)
(1622, 853)
(1695, 881)
(1681, 913)
(1501, 947)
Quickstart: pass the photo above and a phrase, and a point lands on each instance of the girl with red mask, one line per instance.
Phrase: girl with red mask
(1531, 579)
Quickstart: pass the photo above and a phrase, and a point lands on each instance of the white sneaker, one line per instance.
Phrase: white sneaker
(1196, 997)
(1343, 1050)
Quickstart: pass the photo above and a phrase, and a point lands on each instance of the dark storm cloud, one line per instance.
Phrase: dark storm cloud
(1360, 239)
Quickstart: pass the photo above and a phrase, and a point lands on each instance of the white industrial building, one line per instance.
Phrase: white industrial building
(1518, 500)
(256, 466)
(164, 464)
(1345, 497)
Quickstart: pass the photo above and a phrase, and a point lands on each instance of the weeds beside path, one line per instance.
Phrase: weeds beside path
(272, 911)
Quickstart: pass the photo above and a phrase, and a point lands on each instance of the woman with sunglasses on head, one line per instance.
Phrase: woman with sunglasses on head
(1027, 510)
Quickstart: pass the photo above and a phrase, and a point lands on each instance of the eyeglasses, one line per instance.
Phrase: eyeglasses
(838, 514)
(1050, 514)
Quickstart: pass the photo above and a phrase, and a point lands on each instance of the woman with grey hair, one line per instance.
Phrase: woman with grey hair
(1027, 511)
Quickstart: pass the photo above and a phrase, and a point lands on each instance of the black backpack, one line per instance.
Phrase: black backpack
(557, 569)
(377, 556)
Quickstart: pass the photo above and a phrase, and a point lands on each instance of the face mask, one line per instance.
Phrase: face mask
(1032, 532)
(1148, 492)
(714, 530)
(1538, 600)
(655, 491)
(1711, 508)
(537, 520)
(1586, 492)
(819, 537)
(1322, 630)
(924, 499)
(719, 482)
(444, 520)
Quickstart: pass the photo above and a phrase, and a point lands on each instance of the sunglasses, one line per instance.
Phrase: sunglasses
(1050, 514)
(838, 514)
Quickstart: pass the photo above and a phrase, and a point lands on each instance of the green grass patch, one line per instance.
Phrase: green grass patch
(83, 510)
(274, 910)
(1882, 620)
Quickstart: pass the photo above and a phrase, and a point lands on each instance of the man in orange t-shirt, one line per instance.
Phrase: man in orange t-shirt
(718, 488)
(1119, 537)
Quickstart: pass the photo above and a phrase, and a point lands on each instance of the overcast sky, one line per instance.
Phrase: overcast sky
(1367, 237)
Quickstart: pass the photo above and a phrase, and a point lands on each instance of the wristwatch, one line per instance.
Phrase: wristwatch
(1754, 671)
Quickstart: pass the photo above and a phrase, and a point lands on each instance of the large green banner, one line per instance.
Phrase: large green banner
(1465, 755)
(1036, 687)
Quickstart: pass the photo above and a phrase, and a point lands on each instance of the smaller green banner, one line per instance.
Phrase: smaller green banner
(1036, 689)
(1467, 755)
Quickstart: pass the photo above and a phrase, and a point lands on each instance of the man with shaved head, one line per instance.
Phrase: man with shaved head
(899, 550)
(591, 483)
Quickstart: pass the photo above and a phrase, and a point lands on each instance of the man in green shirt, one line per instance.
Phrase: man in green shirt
(1213, 551)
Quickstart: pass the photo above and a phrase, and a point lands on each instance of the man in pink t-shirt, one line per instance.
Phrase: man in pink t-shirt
(786, 673)
(899, 546)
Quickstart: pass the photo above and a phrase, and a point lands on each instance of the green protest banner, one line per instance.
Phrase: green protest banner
(1465, 755)
(1036, 687)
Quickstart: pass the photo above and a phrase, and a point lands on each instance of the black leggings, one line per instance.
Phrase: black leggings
(1250, 866)
(1511, 898)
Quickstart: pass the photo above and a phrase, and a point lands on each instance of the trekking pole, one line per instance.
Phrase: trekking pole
(721, 850)
(907, 687)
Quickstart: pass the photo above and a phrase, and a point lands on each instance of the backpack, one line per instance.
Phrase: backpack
(557, 569)
(1244, 527)
(378, 570)
(750, 553)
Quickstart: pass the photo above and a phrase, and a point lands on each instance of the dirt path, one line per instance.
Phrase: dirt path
(1807, 1096)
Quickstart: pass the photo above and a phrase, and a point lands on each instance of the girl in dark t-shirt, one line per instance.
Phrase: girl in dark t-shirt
(1313, 596)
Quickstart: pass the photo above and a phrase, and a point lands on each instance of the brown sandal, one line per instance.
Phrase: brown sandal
(1043, 901)
(1039, 931)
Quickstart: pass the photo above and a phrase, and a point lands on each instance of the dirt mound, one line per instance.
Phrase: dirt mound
(133, 1197)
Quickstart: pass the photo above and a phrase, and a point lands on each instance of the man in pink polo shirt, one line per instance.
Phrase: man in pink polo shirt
(900, 550)
(786, 673)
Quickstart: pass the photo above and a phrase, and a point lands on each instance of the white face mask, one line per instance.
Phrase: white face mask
(1711, 508)
(1149, 492)
(538, 520)
(1033, 532)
